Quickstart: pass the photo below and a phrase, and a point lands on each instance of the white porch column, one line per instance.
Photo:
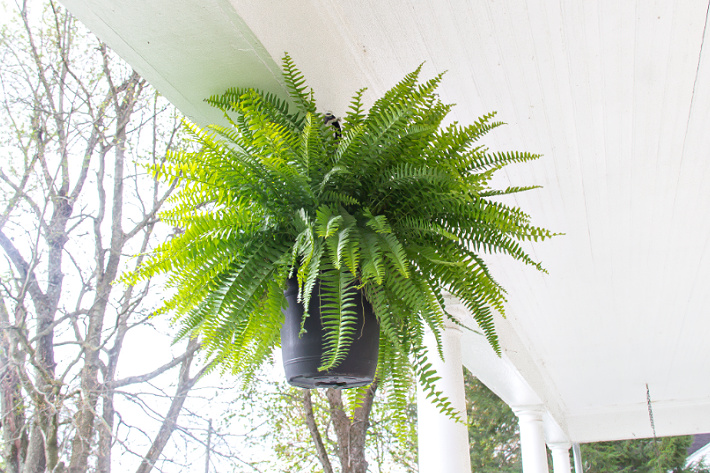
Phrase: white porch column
(560, 457)
(443, 443)
(532, 439)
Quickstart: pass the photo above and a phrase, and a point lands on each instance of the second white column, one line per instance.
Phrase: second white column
(532, 439)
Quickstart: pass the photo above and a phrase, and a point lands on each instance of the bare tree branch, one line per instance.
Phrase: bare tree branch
(23, 268)
(315, 433)
(166, 429)
(156, 372)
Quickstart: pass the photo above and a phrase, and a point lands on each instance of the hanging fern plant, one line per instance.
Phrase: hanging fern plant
(393, 205)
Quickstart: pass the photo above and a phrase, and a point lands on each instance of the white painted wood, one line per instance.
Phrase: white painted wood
(443, 441)
(560, 457)
(187, 50)
(532, 439)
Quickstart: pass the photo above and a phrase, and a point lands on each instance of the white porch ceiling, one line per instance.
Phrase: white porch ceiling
(616, 95)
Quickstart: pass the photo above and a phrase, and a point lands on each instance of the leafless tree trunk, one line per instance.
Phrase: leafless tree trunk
(13, 412)
(74, 203)
(315, 433)
(350, 430)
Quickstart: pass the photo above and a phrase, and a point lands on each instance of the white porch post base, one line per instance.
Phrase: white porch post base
(443, 443)
(560, 457)
(532, 439)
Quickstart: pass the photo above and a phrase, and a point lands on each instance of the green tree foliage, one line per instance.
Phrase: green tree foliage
(493, 433)
(666, 454)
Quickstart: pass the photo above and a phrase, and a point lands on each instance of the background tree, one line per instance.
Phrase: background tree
(306, 430)
(493, 433)
(76, 126)
(665, 454)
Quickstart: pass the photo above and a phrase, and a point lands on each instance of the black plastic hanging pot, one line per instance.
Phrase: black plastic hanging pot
(303, 355)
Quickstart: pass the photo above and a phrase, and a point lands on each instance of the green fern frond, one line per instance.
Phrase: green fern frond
(394, 252)
(482, 161)
(338, 316)
(373, 264)
(356, 113)
(508, 190)
(277, 108)
(297, 88)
